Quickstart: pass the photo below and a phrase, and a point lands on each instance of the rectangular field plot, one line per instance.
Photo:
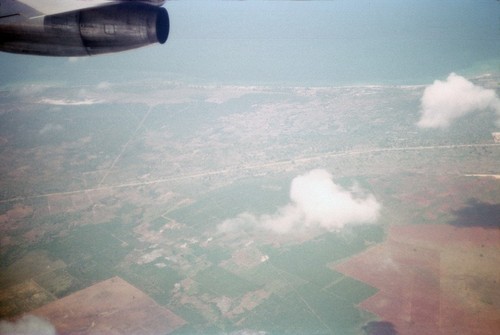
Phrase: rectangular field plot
(285, 315)
(87, 242)
(91, 253)
(224, 283)
(228, 202)
(309, 260)
(308, 310)
(59, 282)
(352, 290)
(156, 282)
(340, 316)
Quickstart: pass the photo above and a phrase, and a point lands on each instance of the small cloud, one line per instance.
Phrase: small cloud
(445, 101)
(49, 128)
(27, 325)
(30, 90)
(103, 85)
(76, 59)
(315, 202)
(67, 102)
(248, 332)
(243, 221)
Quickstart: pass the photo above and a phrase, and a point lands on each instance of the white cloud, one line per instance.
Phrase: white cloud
(445, 101)
(315, 202)
(67, 102)
(104, 85)
(248, 332)
(242, 221)
(27, 325)
(76, 59)
(49, 128)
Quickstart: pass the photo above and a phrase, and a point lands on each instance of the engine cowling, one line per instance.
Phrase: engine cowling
(88, 32)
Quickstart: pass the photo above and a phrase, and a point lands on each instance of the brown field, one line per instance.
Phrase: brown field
(433, 279)
(109, 307)
(22, 297)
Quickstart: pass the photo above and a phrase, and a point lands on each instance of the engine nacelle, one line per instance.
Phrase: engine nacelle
(88, 32)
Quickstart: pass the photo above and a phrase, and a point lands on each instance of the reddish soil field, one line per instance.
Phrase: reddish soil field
(433, 279)
(109, 307)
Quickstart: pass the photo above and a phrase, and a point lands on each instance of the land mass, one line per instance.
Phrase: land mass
(117, 190)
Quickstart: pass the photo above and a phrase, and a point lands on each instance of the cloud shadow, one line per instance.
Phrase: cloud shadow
(379, 328)
(477, 214)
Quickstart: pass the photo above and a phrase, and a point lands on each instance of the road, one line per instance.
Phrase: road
(260, 167)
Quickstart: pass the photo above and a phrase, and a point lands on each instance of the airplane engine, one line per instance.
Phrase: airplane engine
(88, 32)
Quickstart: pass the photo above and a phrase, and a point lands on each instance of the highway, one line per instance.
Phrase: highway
(259, 166)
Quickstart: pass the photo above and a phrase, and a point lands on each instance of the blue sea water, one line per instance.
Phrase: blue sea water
(343, 42)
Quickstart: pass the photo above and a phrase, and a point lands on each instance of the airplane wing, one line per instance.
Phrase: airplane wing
(80, 27)
(26, 9)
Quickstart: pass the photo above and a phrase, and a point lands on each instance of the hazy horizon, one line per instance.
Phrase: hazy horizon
(306, 43)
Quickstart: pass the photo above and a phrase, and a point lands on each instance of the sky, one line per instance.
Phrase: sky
(317, 43)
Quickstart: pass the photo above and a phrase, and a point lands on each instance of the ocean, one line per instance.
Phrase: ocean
(299, 43)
